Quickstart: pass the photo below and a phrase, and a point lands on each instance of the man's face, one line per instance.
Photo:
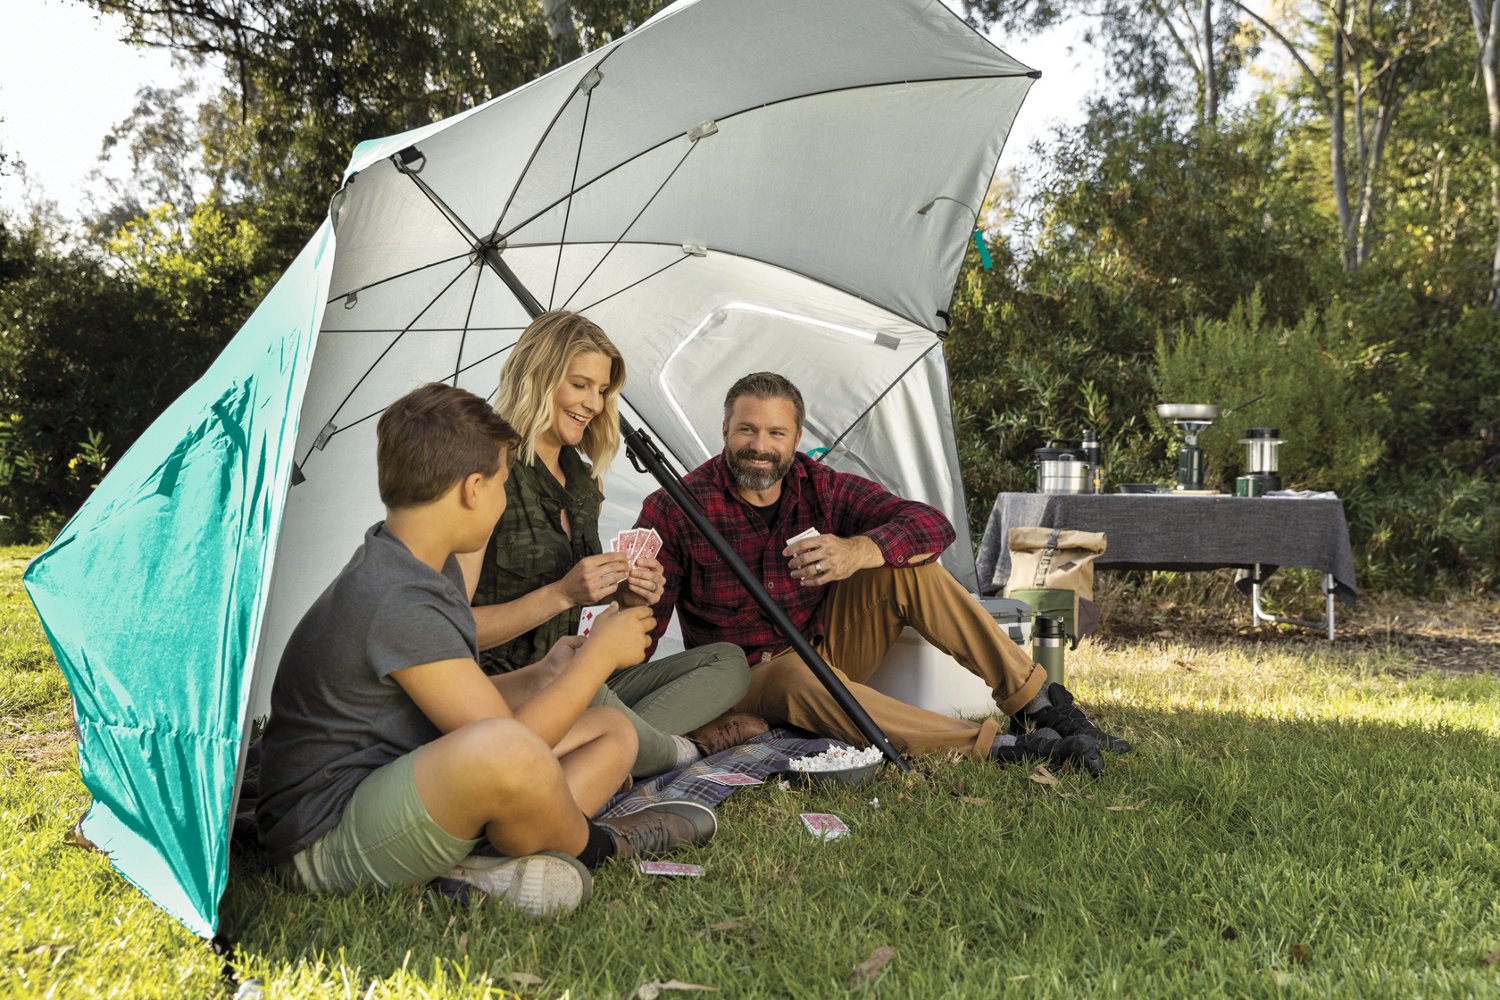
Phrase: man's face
(760, 441)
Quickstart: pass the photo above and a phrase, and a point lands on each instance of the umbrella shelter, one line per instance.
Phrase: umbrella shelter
(732, 187)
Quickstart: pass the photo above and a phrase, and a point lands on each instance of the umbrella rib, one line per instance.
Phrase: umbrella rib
(735, 114)
(473, 364)
(377, 361)
(403, 274)
(568, 212)
(540, 143)
(619, 239)
(621, 291)
(464, 334)
(876, 401)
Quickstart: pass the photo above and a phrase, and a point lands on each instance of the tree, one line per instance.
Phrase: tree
(309, 81)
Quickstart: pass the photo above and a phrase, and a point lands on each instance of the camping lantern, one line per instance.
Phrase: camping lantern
(1261, 444)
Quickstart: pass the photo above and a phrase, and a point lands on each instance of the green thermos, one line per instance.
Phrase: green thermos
(1049, 644)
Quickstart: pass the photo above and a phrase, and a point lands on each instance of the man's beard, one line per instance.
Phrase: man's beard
(757, 480)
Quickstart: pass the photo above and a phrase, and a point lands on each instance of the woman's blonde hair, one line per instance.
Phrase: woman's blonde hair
(537, 366)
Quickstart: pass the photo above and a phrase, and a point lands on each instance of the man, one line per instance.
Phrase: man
(869, 571)
(389, 755)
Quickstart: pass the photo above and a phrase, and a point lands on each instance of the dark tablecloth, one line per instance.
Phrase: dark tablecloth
(1167, 531)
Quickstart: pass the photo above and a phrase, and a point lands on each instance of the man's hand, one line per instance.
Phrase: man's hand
(620, 636)
(819, 561)
(594, 578)
(644, 585)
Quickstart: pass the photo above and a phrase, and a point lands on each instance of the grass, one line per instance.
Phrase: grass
(1297, 820)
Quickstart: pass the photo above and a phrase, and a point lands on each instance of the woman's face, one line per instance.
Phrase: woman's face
(579, 397)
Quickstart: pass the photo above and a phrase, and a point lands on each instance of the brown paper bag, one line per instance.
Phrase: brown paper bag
(1062, 559)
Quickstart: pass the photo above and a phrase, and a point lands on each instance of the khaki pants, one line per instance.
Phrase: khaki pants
(862, 617)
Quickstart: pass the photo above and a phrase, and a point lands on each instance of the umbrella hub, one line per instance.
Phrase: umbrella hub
(487, 250)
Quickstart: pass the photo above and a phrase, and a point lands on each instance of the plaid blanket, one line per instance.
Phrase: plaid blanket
(760, 757)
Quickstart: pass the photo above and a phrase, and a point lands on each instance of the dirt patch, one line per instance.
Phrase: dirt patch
(46, 742)
(1460, 636)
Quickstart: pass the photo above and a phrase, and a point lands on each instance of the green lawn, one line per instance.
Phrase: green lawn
(1296, 820)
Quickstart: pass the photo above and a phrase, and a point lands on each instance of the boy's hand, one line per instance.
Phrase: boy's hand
(561, 654)
(594, 578)
(644, 585)
(621, 635)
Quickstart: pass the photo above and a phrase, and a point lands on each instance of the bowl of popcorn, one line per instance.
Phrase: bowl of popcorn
(838, 765)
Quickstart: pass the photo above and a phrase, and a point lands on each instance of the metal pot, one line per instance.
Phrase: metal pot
(1062, 470)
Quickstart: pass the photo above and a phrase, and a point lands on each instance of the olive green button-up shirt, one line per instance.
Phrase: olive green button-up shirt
(529, 550)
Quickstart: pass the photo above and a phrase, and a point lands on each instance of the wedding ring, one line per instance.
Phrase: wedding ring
(818, 568)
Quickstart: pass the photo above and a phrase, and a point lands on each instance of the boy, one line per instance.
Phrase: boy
(389, 754)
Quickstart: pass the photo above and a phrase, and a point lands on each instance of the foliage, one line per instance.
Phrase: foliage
(1306, 374)
(1142, 228)
(91, 349)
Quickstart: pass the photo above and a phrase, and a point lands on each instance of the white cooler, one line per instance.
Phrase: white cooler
(918, 673)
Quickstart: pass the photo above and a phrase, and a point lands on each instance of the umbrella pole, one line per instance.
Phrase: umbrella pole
(644, 453)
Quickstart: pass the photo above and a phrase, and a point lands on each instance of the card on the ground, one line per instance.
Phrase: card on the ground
(588, 616)
(732, 778)
(803, 536)
(670, 868)
(825, 826)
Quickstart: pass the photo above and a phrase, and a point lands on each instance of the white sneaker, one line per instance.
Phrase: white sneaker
(541, 885)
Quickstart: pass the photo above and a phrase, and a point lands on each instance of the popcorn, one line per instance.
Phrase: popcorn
(837, 758)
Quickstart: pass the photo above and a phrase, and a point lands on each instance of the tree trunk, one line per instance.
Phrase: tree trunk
(1486, 25)
(559, 14)
(1210, 84)
(1336, 139)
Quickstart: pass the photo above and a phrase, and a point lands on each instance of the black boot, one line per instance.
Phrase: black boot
(1066, 719)
(1044, 744)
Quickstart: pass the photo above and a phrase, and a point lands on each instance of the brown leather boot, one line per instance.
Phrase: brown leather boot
(728, 730)
(660, 828)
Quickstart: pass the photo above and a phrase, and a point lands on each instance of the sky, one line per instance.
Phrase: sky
(57, 109)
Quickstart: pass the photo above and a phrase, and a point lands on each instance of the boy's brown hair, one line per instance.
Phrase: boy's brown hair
(433, 437)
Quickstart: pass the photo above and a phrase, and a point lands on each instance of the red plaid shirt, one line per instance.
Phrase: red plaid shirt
(715, 607)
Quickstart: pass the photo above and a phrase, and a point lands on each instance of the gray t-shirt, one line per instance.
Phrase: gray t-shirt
(336, 714)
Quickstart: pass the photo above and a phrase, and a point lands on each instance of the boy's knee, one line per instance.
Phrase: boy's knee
(727, 663)
(502, 743)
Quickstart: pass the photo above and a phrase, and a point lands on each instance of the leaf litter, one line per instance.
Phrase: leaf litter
(868, 971)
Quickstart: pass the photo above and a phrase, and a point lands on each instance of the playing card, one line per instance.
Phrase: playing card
(670, 868)
(614, 543)
(803, 536)
(630, 543)
(650, 544)
(731, 778)
(587, 617)
(825, 826)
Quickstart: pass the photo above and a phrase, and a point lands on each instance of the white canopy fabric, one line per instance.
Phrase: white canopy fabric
(736, 186)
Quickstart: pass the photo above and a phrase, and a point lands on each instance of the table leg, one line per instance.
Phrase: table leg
(1258, 614)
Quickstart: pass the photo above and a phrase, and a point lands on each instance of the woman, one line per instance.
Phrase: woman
(544, 561)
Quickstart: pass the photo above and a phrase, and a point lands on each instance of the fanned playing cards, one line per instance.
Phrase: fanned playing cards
(636, 543)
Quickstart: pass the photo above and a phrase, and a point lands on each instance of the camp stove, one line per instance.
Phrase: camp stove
(1191, 419)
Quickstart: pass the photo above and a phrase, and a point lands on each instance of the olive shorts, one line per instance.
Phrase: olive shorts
(386, 837)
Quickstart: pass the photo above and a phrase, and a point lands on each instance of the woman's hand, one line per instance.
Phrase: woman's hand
(644, 585)
(593, 579)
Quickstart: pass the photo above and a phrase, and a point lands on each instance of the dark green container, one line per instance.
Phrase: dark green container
(1054, 602)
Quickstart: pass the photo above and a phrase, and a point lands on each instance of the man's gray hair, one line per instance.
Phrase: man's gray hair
(764, 385)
